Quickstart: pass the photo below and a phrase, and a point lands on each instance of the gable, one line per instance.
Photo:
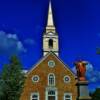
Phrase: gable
(65, 80)
(44, 63)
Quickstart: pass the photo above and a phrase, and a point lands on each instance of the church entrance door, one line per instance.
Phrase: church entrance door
(51, 94)
(51, 98)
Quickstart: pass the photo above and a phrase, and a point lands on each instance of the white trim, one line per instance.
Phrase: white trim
(43, 58)
(68, 80)
(49, 78)
(37, 77)
(35, 93)
(40, 61)
(70, 94)
(52, 62)
(51, 89)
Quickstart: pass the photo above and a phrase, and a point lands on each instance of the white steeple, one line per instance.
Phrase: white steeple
(50, 36)
(50, 16)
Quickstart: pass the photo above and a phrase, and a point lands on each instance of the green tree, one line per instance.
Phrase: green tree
(12, 80)
(96, 94)
(98, 51)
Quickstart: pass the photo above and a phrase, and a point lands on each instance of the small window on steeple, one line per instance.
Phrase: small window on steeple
(50, 43)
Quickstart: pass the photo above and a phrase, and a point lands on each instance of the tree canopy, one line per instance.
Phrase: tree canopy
(96, 94)
(11, 80)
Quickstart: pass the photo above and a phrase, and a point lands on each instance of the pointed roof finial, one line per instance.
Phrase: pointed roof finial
(50, 15)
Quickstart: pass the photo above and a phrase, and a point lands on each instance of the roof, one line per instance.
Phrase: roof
(44, 57)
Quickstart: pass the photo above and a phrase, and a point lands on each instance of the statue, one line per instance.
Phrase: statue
(81, 70)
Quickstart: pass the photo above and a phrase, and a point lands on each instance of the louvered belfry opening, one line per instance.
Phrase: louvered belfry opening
(50, 43)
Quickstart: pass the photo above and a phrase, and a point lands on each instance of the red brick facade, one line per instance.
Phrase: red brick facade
(43, 70)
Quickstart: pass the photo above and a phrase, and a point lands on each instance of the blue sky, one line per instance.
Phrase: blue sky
(22, 23)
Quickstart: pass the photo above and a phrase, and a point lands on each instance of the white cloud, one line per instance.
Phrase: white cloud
(13, 36)
(20, 46)
(10, 44)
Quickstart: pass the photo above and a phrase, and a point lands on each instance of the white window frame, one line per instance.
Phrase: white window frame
(70, 94)
(49, 84)
(50, 62)
(37, 77)
(34, 93)
(51, 89)
(65, 80)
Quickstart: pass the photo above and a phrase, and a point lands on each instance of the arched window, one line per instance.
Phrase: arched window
(51, 92)
(50, 43)
(35, 96)
(67, 96)
(51, 79)
(51, 95)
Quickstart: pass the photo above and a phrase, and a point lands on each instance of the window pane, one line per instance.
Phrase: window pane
(51, 93)
(34, 96)
(67, 96)
(51, 79)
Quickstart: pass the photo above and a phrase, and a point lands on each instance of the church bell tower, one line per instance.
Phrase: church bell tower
(50, 36)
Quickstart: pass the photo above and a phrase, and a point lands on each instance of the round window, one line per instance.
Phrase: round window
(51, 63)
(66, 79)
(35, 78)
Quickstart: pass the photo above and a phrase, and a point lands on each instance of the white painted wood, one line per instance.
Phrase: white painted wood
(69, 94)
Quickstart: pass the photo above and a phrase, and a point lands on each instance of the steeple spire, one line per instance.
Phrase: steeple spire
(50, 36)
(50, 16)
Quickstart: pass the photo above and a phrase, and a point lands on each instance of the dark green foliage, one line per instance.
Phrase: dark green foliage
(96, 94)
(3, 87)
(12, 80)
(98, 51)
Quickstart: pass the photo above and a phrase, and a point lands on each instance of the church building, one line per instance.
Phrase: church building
(50, 78)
